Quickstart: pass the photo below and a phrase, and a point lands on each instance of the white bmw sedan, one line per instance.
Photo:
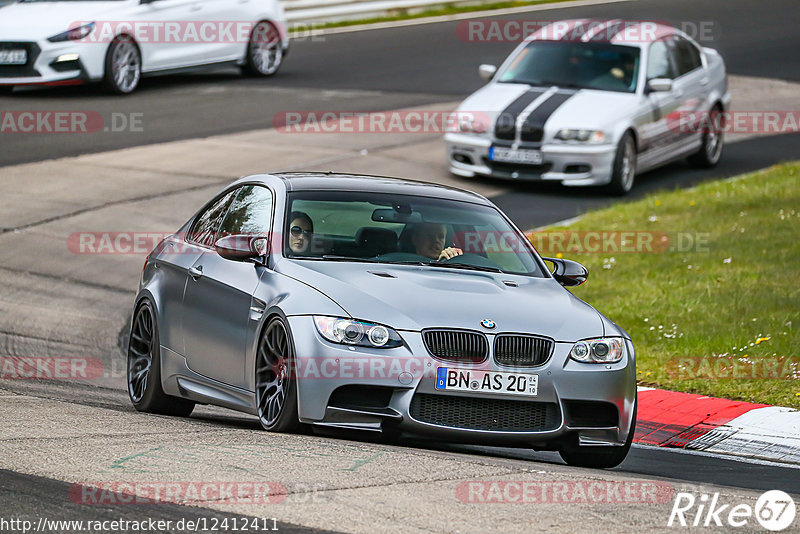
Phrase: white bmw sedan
(64, 42)
(586, 102)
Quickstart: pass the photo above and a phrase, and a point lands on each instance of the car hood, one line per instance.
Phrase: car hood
(417, 297)
(584, 109)
(34, 21)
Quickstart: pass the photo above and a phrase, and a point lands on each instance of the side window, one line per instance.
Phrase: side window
(250, 212)
(658, 63)
(204, 229)
(687, 56)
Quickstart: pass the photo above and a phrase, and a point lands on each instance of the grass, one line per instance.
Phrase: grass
(729, 308)
(302, 27)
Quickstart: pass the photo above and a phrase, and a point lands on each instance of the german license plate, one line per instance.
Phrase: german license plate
(509, 155)
(454, 379)
(13, 57)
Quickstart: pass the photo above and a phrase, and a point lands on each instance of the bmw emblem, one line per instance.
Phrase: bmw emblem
(488, 323)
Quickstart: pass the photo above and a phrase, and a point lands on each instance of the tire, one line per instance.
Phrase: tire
(123, 66)
(6, 89)
(623, 172)
(264, 54)
(276, 380)
(711, 148)
(144, 368)
(597, 457)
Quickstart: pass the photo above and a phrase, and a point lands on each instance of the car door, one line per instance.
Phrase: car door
(173, 38)
(658, 135)
(692, 84)
(178, 254)
(232, 19)
(219, 293)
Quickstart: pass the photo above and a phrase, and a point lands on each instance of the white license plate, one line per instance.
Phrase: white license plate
(454, 379)
(509, 155)
(13, 57)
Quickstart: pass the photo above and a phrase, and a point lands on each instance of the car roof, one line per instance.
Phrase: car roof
(331, 181)
(615, 31)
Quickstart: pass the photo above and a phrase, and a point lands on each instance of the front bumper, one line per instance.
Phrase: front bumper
(393, 383)
(571, 164)
(42, 66)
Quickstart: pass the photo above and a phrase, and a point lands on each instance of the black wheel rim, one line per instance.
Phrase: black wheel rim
(272, 373)
(140, 353)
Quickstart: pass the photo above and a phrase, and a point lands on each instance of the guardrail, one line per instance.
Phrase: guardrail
(322, 11)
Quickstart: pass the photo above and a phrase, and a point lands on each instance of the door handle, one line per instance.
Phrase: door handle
(196, 272)
(195, 8)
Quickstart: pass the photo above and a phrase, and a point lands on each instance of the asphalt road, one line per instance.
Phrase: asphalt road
(74, 426)
(381, 69)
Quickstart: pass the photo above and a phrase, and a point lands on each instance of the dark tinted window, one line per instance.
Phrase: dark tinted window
(204, 230)
(390, 228)
(601, 66)
(250, 212)
(658, 62)
(687, 56)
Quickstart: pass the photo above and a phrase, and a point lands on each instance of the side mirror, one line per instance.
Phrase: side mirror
(568, 273)
(487, 72)
(659, 85)
(241, 247)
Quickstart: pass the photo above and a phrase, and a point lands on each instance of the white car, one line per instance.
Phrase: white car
(587, 102)
(64, 42)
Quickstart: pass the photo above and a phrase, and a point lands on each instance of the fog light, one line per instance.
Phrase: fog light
(67, 57)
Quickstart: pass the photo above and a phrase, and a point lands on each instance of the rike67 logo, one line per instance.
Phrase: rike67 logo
(774, 510)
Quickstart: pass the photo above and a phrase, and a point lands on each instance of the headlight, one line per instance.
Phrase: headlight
(602, 350)
(581, 136)
(468, 122)
(360, 333)
(73, 34)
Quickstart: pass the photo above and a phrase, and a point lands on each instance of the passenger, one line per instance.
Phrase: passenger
(428, 240)
(301, 232)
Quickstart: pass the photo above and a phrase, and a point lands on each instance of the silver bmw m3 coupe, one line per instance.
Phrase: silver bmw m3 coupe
(379, 304)
(592, 102)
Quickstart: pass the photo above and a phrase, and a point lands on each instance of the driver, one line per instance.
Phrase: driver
(428, 240)
(301, 231)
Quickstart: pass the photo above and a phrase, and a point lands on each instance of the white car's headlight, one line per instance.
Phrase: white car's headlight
(360, 333)
(594, 137)
(468, 122)
(600, 350)
(73, 34)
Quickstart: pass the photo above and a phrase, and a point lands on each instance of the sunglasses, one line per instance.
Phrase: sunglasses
(297, 231)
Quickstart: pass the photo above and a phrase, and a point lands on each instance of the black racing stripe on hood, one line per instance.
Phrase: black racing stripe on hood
(533, 127)
(505, 127)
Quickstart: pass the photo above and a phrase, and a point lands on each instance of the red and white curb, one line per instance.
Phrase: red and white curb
(722, 426)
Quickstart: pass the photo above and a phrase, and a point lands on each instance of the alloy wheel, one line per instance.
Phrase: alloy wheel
(273, 372)
(140, 353)
(266, 49)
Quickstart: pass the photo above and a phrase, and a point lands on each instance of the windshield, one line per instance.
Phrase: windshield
(601, 66)
(397, 229)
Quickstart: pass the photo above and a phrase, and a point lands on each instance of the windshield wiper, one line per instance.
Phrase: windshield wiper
(465, 266)
(334, 257)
